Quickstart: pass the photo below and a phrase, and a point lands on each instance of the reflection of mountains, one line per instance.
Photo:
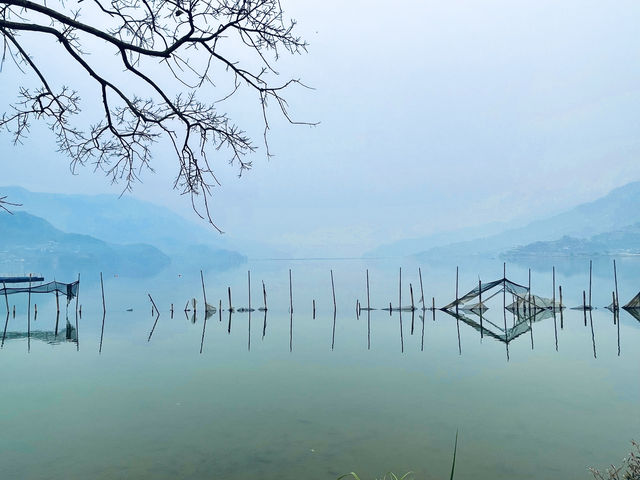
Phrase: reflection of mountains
(68, 334)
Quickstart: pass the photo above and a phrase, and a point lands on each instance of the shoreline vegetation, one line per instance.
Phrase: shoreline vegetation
(408, 475)
(629, 470)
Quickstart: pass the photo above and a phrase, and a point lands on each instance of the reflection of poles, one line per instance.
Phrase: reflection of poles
(264, 325)
(291, 329)
(368, 329)
(156, 320)
(593, 337)
(333, 331)
(6, 322)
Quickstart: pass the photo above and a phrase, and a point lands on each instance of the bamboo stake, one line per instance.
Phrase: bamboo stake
(424, 307)
(264, 296)
(6, 296)
(561, 313)
(333, 291)
(77, 294)
(290, 293)
(204, 293)
(616, 304)
(480, 290)
(368, 299)
(400, 292)
(433, 307)
(411, 291)
(590, 280)
(29, 312)
(104, 305)
(553, 301)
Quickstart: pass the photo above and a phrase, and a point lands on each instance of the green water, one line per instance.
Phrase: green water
(288, 405)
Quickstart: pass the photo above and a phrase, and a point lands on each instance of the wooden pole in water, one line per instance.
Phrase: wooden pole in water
(333, 291)
(264, 296)
(584, 306)
(77, 293)
(616, 304)
(220, 308)
(57, 302)
(29, 311)
(424, 307)
(553, 301)
(613, 296)
(561, 313)
(290, 293)
(6, 296)
(433, 307)
(400, 291)
(171, 310)
(249, 286)
(229, 292)
(456, 289)
(368, 299)
(411, 292)
(104, 305)
(204, 293)
(529, 305)
(480, 292)
(314, 308)
(590, 277)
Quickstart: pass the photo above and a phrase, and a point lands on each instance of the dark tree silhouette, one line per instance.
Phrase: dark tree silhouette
(154, 58)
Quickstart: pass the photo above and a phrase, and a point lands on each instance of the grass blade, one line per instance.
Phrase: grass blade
(455, 448)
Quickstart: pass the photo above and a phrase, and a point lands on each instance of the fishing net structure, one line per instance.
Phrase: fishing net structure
(485, 292)
(634, 302)
(70, 290)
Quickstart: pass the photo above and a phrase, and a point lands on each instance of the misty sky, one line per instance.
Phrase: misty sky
(433, 116)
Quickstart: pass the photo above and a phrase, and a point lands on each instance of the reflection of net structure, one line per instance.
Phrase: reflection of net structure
(525, 307)
(68, 335)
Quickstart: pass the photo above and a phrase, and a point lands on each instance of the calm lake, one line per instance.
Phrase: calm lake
(281, 396)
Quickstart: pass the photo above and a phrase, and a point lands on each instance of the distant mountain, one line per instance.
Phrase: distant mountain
(31, 244)
(625, 241)
(127, 220)
(611, 213)
(408, 246)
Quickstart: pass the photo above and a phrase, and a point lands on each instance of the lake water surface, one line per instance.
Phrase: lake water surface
(281, 396)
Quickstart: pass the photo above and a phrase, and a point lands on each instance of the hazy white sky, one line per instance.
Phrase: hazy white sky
(433, 115)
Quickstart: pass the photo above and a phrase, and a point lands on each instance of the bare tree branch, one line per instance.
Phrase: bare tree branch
(188, 40)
